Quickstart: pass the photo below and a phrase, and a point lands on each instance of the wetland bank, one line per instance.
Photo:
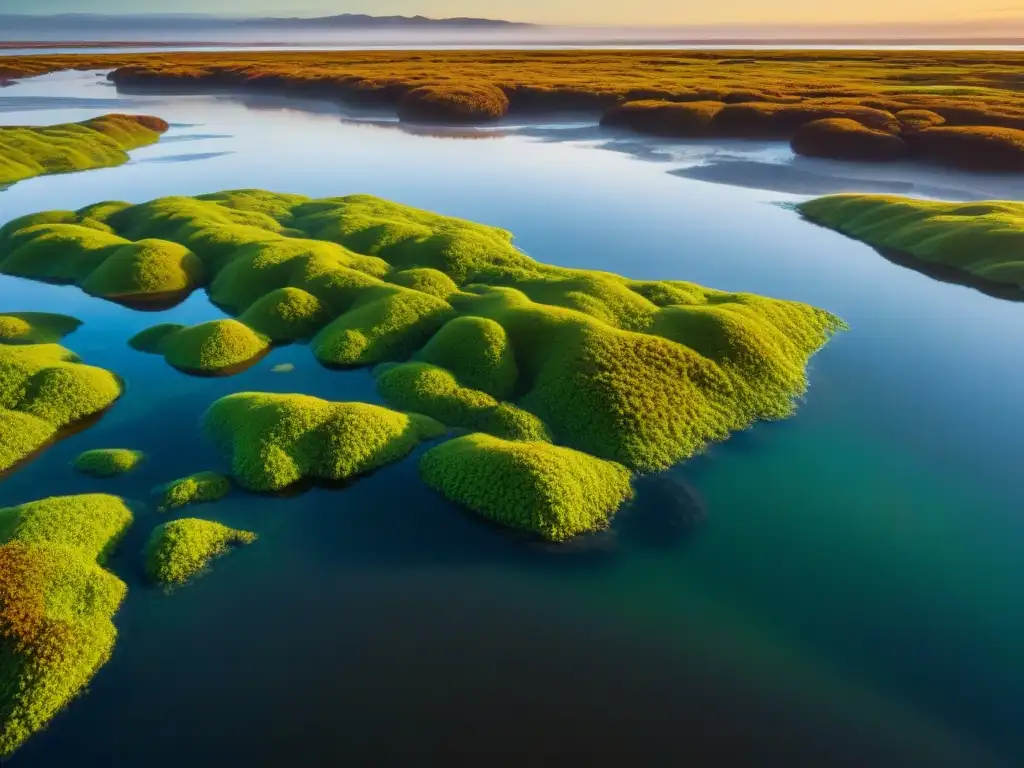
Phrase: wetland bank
(786, 593)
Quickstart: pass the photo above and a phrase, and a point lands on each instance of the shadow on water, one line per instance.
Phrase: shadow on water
(185, 158)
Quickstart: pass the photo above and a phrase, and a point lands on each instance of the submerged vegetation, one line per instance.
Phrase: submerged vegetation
(35, 327)
(644, 373)
(194, 489)
(746, 94)
(45, 389)
(981, 244)
(27, 151)
(56, 605)
(182, 549)
(544, 489)
(108, 462)
(275, 441)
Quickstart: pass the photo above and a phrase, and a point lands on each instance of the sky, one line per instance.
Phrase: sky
(645, 12)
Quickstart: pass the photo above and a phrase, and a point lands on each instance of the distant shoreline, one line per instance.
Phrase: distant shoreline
(568, 43)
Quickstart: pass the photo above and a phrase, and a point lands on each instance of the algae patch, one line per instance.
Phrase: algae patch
(978, 243)
(108, 462)
(182, 549)
(56, 605)
(27, 151)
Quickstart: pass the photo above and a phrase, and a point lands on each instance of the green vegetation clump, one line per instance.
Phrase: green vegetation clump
(287, 314)
(553, 492)
(478, 351)
(974, 147)
(213, 347)
(644, 373)
(977, 243)
(845, 139)
(194, 489)
(151, 340)
(435, 392)
(277, 440)
(27, 151)
(180, 550)
(454, 103)
(108, 462)
(427, 280)
(56, 605)
(45, 389)
(35, 327)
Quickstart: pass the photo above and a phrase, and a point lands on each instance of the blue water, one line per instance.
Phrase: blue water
(853, 597)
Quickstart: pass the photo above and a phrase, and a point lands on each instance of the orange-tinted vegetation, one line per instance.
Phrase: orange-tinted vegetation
(762, 94)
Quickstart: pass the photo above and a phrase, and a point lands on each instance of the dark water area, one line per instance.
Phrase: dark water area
(840, 588)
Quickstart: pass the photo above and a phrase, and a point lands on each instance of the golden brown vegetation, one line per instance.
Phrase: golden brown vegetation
(762, 94)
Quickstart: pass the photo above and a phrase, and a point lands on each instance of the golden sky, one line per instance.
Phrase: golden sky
(646, 12)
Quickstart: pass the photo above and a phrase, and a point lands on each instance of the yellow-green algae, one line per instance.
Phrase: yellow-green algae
(544, 489)
(644, 373)
(108, 462)
(44, 388)
(35, 327)
(27, 151)
(275, 441)
(436, 392)
(982, 241)
(182, 549)
(194, 489)
(56, 605)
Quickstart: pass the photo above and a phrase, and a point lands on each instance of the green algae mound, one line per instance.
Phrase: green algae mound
(644, 373)
(35, 327)
(978, 243)
(554, 492)
(277, 440)
(108, 462)
(194, 489)
(56, 605)
(182, 549)
(435, 392)
(218, 346)
(44, 389)
(27, 151)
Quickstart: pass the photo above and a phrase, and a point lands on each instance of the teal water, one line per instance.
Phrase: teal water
(852, 598)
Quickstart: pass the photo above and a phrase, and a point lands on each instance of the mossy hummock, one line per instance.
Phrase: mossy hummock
(979, 244)
(182, 549)
(644, 373)
(108, 462)
(27, 151)
(35, 327)
(194, 489)
(45, 389)
(275, 441)
(56, 605)
(547, 490)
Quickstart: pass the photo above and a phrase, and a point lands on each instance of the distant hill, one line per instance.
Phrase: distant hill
(20, 24)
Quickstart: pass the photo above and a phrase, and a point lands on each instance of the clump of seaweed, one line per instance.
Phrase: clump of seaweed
(35, 327)
(27, 151)
(547, 490)
(108, 462)
(275, 441)
(45, 389)
(978, 244)
(180, 550)
(845, 139)
(194, 489)
(56, 605)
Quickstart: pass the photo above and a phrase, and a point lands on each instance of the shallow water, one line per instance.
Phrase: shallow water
(851, 599)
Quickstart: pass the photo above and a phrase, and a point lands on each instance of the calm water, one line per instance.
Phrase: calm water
(852, 599)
